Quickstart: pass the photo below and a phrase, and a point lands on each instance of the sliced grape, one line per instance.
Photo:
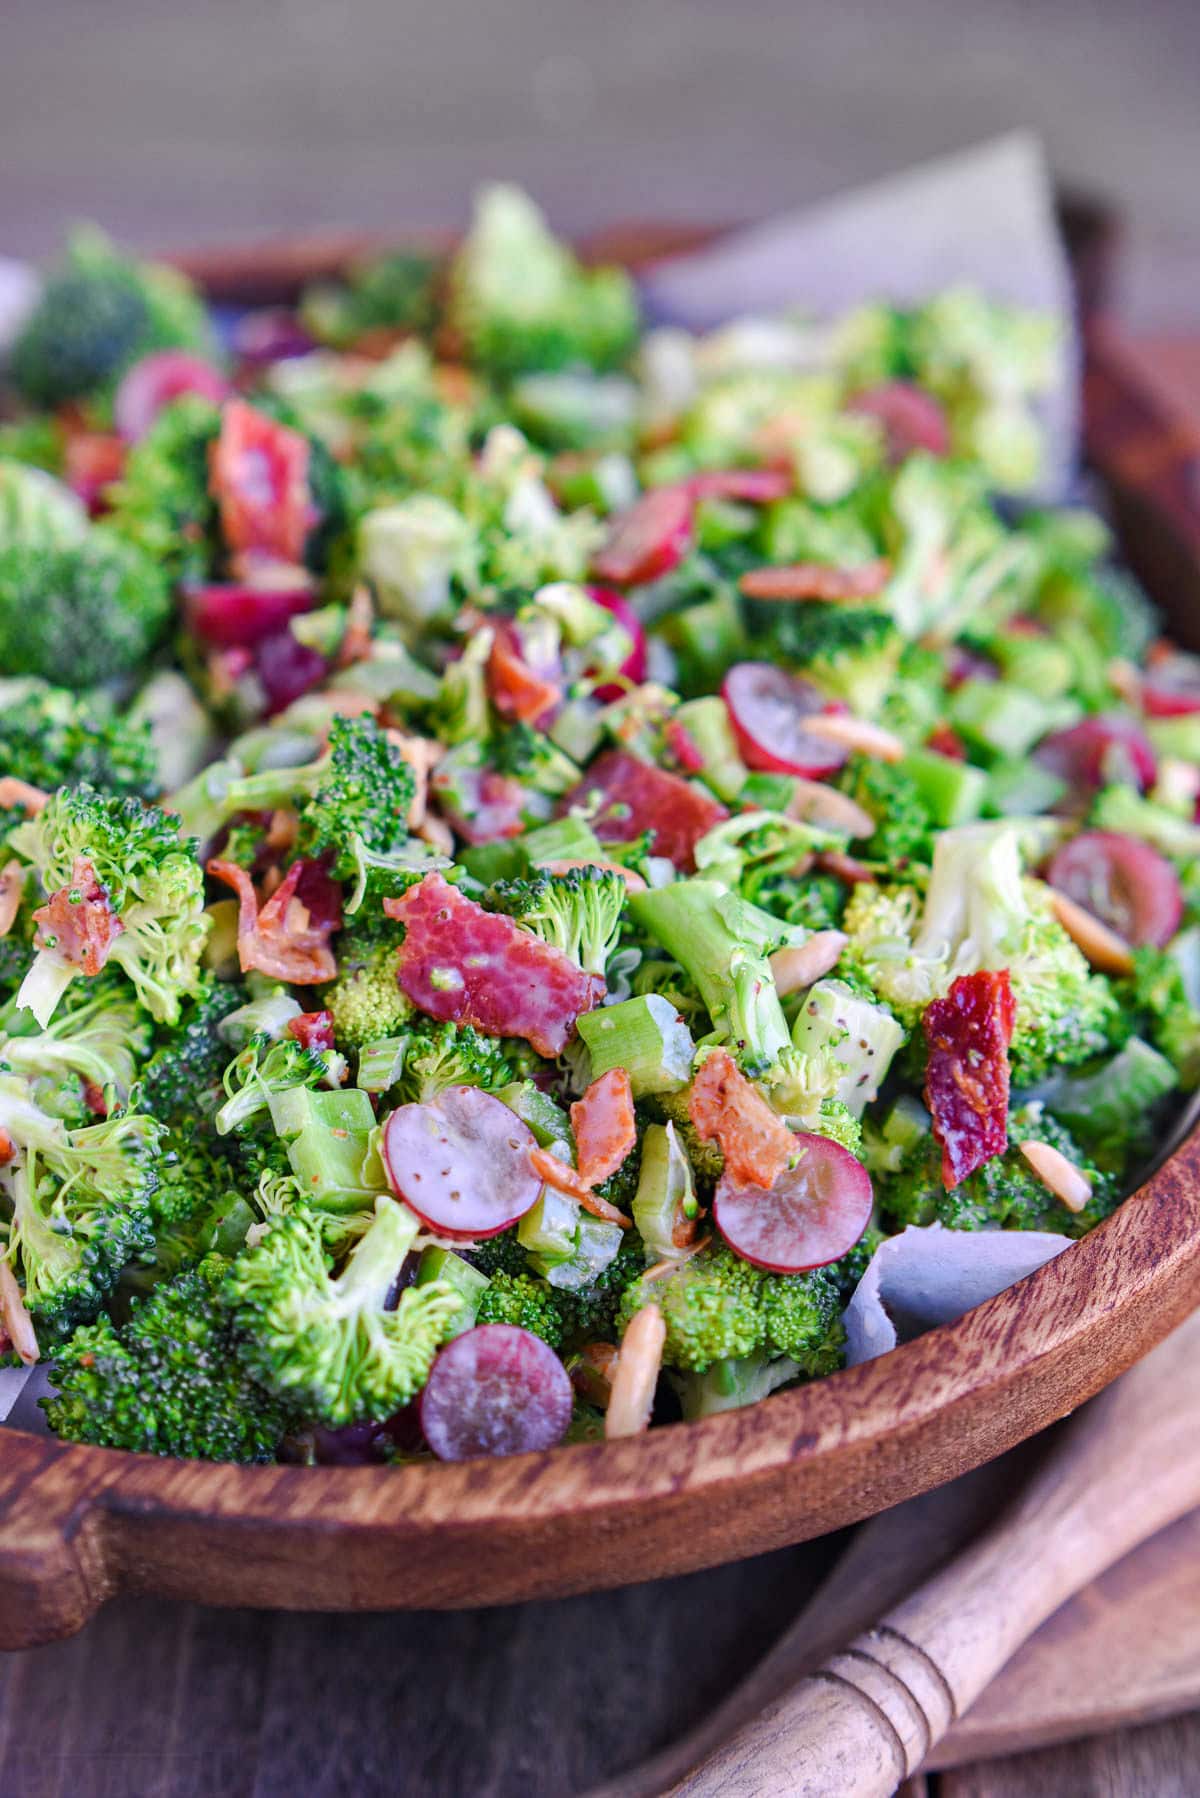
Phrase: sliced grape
(233, 615)
(273, 335)
(911, 418)
(754, 486)
(462, 1162)
(649, 539)
(813, 1214)
(1123, 882)
(1098, 751)
(1171, 686)
(495, 1390)
(633, 668)
(288, 669)
(158, 379)
(767, 708)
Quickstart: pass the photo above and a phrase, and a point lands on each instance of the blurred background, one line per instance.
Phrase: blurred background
(174, 125)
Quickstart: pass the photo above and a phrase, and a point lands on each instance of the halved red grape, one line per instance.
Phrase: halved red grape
(911, 418)
(271, 335)
(461, 1162)
(232, 614)
(1123, 882)
(634, 665)
(288, 669)
(156, 380)
(767, 708)
(1097, 751)
(495, 1390)
(1171, 686)
(755, 486)
(813, 1214)
(649, 539)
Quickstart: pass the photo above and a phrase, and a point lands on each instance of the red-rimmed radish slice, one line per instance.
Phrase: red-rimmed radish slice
(461, 1162)
(649, 539)
(1097, 751)
(235, 615)
(1123, 882)
(768, 709)
(156, 380)
(495, 1390)
(634, 665)
(754, 486)
(911, 418)
(813, 1214)
(1171, 686)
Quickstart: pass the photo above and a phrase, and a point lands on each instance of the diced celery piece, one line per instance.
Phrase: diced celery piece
(550, 1230)
(717, 522)
(728, 1385)
(645, 1036)
(859, 1037)
(954, 791)
(707, 638)
(1004, 718)
(563, 839)
(1037, 664)
(1178, 737)
(291, 1111)
(466, 1281)
(767, 792)
(502, 860)
(577, 729)
(547, 1120)
(597, 1245)
(381, 1064)
(706, 722)
(390, 673)
(665, 1190)
(346, 1109)
(330, 1166)
(1022, 789)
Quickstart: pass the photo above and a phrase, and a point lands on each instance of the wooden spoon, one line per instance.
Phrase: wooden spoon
(857, 1721)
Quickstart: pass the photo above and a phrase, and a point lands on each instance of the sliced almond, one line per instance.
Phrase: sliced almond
(1104, 949)
(800, 966)
(14, 792)
(815, 803)
(15, 1319)
(437, 833)
(1060, 1174)
(635, 1374)
(856, 734)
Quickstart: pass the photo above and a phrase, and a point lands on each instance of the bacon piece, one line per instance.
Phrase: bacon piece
(682, 746)
(516, 689)
(469, 966)
(724, 1107)
(966, 1076)
(636, 796)
(12, 885)
(817, 580)
(93, 1098)
(78, 922)
(312, 1029)
(30, 799)
(604, 1125)
(648, 539)
(912, 419)
(93, 460)
(289, 937)
(945, 740)
(258, 475)
(481, 804)
(568, 1180)
(8, 1147)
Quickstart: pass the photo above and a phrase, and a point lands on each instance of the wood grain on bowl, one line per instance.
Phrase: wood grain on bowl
(78, 1525)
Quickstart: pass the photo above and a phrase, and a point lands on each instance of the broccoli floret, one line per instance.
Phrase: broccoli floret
(446, 1054)
(814, 902)
(1115, 1109)
(172, 1381)
(499, 1254)
(97, 1039)
(181, 1082)
(520, 300)
(332, 1345)
(197, 1209)
(839, 1123)
(86, 613)
(365, 1000)
(1005, 1192)
(718, 1307)
(390, 293)
(980, 913)
(162, 503)
(524, 1300)
(589, 1313)
(78, 1204)
(578, 912)
(35, 508)
(708, 1163)
(756, 844)
(904, 825)
(95, 316)
(731, 1385)
(53, 738)
(152, 882)
(851, 652)
(262, 1070)
(1157, 991)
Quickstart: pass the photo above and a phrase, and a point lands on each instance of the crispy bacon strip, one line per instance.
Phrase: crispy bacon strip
(78, 922)
(258, 475)
(604, 1125)
(817, 580)
(966, 1075)
(284, 939)
(517, 690)
(725, 1108)
(567, 1180)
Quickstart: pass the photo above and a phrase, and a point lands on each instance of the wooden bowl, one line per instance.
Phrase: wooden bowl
(78, 1525)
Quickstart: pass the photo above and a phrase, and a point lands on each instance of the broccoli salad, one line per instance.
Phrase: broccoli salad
(532, 845)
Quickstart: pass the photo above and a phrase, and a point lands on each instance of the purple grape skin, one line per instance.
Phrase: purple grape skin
(495, 1390)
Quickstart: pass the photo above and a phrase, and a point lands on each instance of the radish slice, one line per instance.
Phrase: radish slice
(461, 1162)
(911, 418)
(634, 666)
(495, 1390)
(767, 708)
(1123, 882)
(649, 539)
(813, 1214)
(755, 486)
(232, 615)
(1171, 688)
(1098, 750)
(155, 381)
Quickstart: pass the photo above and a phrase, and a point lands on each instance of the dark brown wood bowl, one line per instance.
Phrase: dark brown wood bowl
(78, 1525)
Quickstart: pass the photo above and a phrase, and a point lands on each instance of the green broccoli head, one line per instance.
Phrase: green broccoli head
(98, 1039)
(331, 1345)
(197, 1209)
(262, 1070)
(814, 902)
(182, 1079)
(851, 652)
(82, 614)
(904, 826)
(364, 793)
(579, 912)
(445, 1054)
(394, 292)
(502, 1253)
(96, 315)
(589, 1313)
(524, 1300)
(365, 1000)
(1159, 995)
(162, 503)
(171, 1381)
(54, 738)
(151, 880)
